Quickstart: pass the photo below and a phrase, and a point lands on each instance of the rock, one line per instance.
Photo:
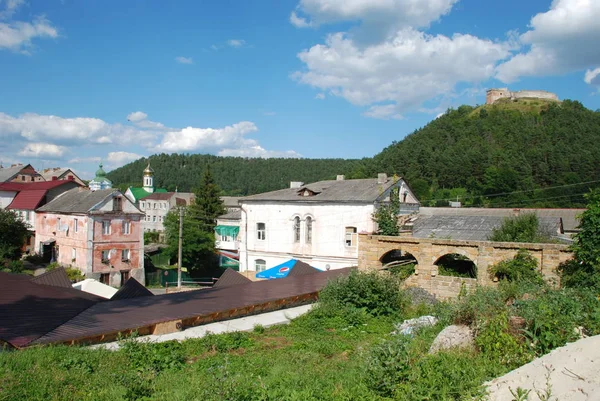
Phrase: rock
(418, 295)
(453, 336)
(407, 327)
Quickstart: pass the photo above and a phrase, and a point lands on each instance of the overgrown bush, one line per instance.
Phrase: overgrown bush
(402, 272)
(523, 228)
(377, 294)
(522, 268)
(388, 364)
(74, 274)
(227, 342)
(478, 307)
(12, 266)
(497, 343)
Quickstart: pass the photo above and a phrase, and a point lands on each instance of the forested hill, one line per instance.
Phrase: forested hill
(525, 153)
(536, 152)
(235, 175)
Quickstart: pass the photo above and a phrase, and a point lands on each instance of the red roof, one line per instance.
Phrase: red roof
(28, 200)
(30, 186)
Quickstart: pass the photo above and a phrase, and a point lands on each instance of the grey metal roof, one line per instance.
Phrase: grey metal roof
(235, 215)
(78, 200)
(301, 268)
(473, 228)
(6, 173)
(363, 191)
(570, 217)
(230, 201)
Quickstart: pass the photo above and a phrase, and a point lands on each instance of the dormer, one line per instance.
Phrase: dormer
(307, 192)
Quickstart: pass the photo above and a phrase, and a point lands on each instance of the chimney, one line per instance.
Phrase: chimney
(54, 178)
(296, 184)
(382, 178)
(340, 178)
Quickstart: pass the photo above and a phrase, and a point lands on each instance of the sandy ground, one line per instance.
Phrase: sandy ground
(571, 373)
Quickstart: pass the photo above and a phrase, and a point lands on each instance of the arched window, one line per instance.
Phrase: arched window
(309, 230)
(296, 229)
(260, 265)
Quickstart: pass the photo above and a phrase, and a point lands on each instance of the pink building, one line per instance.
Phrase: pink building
(98, 232)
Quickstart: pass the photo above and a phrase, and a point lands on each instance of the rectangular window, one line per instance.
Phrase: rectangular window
(125, 255)
(297, 229)
(75, 225)
(126, 227)
(154, 218)
(117, 204)
(309, 223)
(124, 276)
(105, 255)
(105, 278)
(260, 265)
(261, 231)
(350, 238)
(106, 227)
(73, 255)
(57, 224)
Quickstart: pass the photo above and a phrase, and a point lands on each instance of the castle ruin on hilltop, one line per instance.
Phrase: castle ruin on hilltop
(504, 93)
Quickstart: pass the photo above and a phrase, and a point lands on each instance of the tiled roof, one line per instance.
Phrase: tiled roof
(56, 277)
(363, 190)
(235, 215)
(231, 277)
(160, 196)
(77, 200)
(30, 186)
(131, 289)
(301, 268)
(29, 310)
(28, 200)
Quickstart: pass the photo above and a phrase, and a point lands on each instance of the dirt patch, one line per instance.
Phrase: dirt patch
(273, 342)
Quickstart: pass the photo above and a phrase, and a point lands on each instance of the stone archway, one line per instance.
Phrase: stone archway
(456, 265)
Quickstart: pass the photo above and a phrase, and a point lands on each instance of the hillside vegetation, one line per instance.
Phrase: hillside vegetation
(524, 153)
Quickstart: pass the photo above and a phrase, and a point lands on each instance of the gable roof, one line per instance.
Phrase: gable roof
(362, 191)
(131, 289)
(231, 277)
(78, 200)
(160, 196)
(56, 278)
(301, 268)
(140, 193)
(7, 173)
(56, 172)
(31, 186)
(29, 310)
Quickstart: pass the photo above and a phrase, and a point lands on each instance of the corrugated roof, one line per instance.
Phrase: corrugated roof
(56, 278)
(29, 310)
(160, 196)
(570, 217)
(131, 289)
(140, 193)
(231, 277)
(116, 316)
(30, 186)
(474, 228)
(363, 190)
(28, 200)
(231, 201)
(301, 268)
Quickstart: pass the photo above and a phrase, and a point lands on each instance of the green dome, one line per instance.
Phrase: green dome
(100, 173)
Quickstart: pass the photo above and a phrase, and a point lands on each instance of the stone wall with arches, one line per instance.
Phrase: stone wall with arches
(484, 254)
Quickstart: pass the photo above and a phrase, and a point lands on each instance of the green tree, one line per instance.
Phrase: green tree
(386, 215)
(584, 269)
(12, 235)
(523, 228)
(198, 248)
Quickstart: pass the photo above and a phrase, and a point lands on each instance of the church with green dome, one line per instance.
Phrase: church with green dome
(134, 194)
(100, 181)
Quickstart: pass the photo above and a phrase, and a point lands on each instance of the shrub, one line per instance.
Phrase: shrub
(388, 364)
(13, 266)
(497, 343)
(478, 307)
(376, 293)
(227, 342)
(523, 228)
(522, 268)
(402, 272)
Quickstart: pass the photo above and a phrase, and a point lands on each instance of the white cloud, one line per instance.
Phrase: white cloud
(184, 60)
(299, 22)
(386, 16)
(137, 116)
(43, 150)
(563, 39)
(18, 35)
(402, 71)
(320, 96)
(194, 139)
(10, 8)
(258, 151)
(592, 77)
(118, 159)
(92, 159)
(236, 42)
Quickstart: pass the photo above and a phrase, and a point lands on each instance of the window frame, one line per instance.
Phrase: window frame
(352, 232)
(75, 225)
(104, 259)
(125, 255)
(309, 227)
(126, 227)
(106, 227)
(261, 233)
(296, 229)
(262, 263)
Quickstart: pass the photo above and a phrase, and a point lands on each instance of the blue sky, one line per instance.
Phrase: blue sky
(84, 81)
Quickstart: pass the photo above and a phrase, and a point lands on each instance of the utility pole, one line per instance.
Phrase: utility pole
(180, 253)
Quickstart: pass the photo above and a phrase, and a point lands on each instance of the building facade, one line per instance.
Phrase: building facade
(20, 173)
(62, 174)
(317, 223)
(98, 232)
(156, 206)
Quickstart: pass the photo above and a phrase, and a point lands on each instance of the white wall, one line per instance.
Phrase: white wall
(156, 211)
(328, 244)
(6, 197)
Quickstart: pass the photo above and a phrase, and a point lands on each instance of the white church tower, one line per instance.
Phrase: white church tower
(149, 179)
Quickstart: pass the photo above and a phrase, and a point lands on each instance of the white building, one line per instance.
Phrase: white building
(317, 223)
(157, 205)
(100, 181)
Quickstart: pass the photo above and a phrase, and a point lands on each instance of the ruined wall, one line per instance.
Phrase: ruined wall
(484, 254)
(493, 95)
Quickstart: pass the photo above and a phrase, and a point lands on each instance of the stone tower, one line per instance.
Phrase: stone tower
(495, 94)
(149, 179)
